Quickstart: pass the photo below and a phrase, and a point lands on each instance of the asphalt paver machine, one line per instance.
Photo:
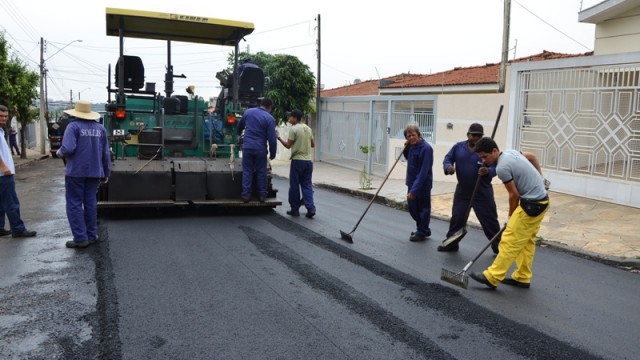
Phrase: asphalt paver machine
(168, 149)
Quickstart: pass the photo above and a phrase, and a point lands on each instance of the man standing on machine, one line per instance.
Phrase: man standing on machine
(466, 164)
(259, 140)
(521, 174)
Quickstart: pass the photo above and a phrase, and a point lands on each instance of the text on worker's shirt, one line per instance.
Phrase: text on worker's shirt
(90, 132)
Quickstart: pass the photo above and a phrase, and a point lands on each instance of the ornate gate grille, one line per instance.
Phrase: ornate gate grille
(582, 120)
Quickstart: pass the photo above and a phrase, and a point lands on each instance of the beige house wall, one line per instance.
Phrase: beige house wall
(459, 110)
(618, 35)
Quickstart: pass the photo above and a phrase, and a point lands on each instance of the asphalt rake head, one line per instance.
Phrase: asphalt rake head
(459, 278)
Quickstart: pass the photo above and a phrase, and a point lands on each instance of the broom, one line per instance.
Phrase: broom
(458, 235)
(461, 278)
(348, 236)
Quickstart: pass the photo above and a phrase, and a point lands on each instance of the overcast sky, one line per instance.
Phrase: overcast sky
(360, 40)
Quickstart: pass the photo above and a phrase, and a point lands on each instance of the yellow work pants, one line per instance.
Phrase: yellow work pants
(518, 244)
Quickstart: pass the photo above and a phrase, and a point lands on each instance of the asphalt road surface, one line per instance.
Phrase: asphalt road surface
(185, 284)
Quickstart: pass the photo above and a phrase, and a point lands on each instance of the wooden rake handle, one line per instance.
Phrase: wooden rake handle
(380, 188)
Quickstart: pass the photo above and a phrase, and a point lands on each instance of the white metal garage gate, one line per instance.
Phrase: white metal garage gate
(347, 124)
(583, 122)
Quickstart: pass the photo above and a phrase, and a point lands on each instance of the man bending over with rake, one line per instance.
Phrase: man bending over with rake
(521, 174)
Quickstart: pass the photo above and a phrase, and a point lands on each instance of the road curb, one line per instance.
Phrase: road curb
(623, 263)
(29, 162)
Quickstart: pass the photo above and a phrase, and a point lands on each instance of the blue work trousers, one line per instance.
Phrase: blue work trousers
(300, 180)
(420, 211)
(82, 207)
(254, 161)
(9, 204)
(486, 213)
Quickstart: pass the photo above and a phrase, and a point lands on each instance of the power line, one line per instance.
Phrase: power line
(553, 27)
(24, 54)
(17, 17)
(279, 28)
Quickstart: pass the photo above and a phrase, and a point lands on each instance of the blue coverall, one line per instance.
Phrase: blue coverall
(259, 130)
(419, 182)
(85, 147)
(467, 164)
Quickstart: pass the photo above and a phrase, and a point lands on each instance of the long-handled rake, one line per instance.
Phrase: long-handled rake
(458, 235)
(347, 236)
(461, 278)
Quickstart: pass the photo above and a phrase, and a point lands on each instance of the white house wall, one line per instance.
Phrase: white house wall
(618, 35)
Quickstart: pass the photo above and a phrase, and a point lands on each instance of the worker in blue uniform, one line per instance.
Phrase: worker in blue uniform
(247, 63)
(419, 181)
(462, 161)
(259, 129)
(85, 149)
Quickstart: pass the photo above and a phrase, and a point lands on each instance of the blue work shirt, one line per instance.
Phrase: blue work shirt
(246, 65)
(419, 167)
(5, 154)
(467, 163)
(259, 129)
(86, 149)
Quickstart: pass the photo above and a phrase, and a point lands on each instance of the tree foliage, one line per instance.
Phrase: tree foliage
(290, 84)
(18, 88)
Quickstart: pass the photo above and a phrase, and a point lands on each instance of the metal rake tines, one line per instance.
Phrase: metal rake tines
(456, 278)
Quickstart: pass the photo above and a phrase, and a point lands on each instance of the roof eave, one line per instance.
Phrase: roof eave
(474, 88)
(606, 10)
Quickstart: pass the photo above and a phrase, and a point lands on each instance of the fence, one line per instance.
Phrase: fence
(355, 132)
(583, 122)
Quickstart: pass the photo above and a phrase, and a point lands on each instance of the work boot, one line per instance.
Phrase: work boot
(479, 277)
(516, 283)
(77, 245)
(417, 237)
(451, 248)
(24, 234)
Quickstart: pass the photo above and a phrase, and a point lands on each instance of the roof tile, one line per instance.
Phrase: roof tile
(474, 75)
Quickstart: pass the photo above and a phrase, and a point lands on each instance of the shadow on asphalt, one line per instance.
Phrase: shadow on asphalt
(181, 212)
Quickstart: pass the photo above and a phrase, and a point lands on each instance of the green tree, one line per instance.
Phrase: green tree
(290, 83)
(18, 89)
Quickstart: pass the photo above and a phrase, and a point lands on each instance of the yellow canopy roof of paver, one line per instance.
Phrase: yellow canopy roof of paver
(176, 27)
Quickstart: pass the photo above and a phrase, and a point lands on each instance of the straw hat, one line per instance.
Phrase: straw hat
(83, 111)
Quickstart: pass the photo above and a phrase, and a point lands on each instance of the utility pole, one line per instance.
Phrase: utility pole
(318, 85)
(43, 128)
(505, 46)
(43, 93)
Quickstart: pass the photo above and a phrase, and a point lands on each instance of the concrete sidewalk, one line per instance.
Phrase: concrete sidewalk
(590, 228)
(31, 157)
